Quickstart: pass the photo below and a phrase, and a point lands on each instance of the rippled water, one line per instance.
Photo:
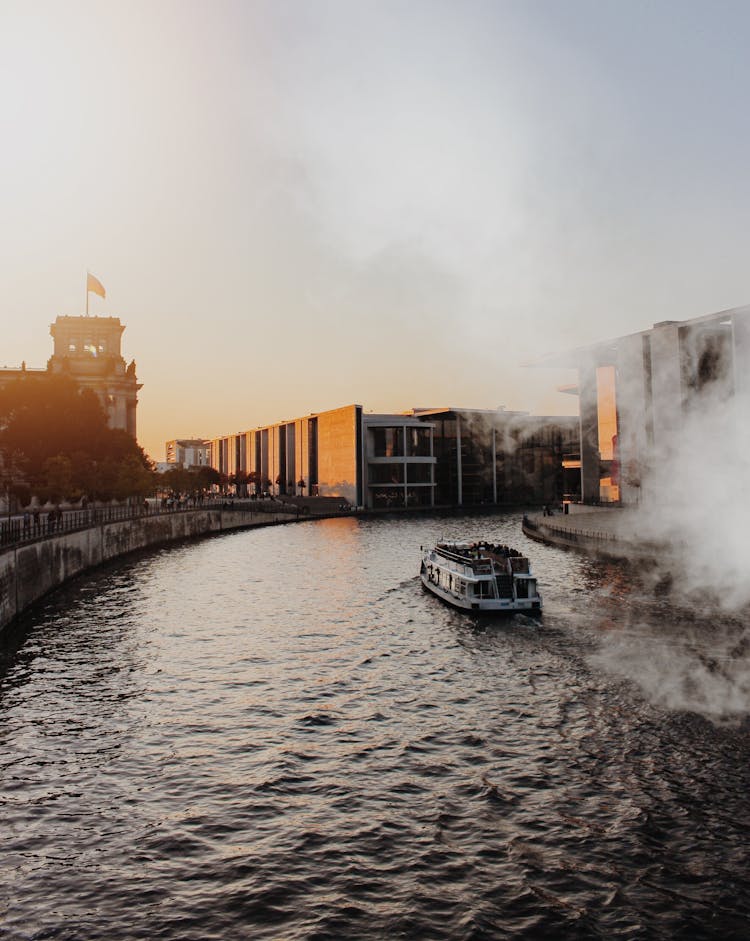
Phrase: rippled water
(276, 734)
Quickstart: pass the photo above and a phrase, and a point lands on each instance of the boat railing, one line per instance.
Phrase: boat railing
(519, 565)
(478, 566)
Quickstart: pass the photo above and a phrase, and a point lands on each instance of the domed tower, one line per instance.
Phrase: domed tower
(88, 350)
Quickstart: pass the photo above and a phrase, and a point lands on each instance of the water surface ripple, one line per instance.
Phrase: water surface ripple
(276, 734)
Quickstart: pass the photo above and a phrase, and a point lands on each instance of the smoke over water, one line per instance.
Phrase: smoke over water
(695, 498)
(694, 652)
(680, 665)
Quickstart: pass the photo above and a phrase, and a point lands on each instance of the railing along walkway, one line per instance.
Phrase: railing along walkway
(571, 535)
(19, 530)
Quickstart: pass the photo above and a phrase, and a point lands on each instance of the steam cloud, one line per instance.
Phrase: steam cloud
(694, 505)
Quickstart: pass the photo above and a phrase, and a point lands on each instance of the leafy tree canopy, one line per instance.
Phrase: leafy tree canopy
(55, 434)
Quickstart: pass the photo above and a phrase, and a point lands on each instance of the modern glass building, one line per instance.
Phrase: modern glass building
(420, 458)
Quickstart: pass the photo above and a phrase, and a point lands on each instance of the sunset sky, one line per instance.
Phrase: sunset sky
(298, 205)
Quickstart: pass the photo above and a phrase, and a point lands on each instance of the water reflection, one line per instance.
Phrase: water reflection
(278, 733)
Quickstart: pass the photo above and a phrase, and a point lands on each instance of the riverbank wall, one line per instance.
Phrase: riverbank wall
(30, 570)
(605, 533)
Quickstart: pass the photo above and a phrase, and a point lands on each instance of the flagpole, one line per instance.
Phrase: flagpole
(87, 292)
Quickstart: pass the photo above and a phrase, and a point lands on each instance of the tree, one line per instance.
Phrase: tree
(255, 478)
(206, 477)
(58, 436)
(175, 481)
(239, 479)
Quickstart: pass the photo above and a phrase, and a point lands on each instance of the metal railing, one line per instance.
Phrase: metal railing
(43, 524)
(571, 535)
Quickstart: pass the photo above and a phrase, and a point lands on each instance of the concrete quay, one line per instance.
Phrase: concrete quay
(611, 532)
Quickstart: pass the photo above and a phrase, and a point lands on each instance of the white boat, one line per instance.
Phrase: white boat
(480, 576)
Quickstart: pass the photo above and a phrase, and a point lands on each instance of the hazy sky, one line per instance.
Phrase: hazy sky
(298, 205)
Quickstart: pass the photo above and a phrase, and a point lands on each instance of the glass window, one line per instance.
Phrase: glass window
(419, 473)
(419, 496)
(387, 442)
(418, 441)
(386, 473)
(393, 497)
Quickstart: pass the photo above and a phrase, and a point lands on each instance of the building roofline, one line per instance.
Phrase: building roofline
(570, 359)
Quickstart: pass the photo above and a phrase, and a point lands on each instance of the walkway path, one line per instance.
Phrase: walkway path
(609, 532)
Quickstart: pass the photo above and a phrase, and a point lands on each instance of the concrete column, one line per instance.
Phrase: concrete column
(632, 413)
(494, 465)
(404, 462)
(458, 461)
(432, 467)
(666, 382)
(589, 420)
(741, 369)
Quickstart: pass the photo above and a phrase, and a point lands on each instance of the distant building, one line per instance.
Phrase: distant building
(88, 350)
(423, 457)
(189, 452)
(637, 393)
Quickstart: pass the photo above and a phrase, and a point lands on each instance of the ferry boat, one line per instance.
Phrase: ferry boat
(480, 576)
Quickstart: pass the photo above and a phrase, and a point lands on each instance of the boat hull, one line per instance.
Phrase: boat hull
(492, 606)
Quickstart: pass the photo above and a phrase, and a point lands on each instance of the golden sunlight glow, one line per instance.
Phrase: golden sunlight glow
(606, 394)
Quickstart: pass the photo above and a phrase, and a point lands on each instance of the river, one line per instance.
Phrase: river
(275, 734)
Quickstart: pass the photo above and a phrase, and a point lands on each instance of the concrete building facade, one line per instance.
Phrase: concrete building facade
(637, 392)
(420, 458)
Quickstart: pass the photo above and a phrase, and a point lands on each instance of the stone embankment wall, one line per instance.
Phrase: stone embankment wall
(30, 570)
(609, 534)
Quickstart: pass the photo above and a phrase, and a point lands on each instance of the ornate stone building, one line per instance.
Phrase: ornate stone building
(88, 350)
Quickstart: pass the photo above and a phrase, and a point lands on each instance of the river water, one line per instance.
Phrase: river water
(276, 734)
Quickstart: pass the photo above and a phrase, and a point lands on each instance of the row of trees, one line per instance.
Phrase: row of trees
(186, 481)
(254, 482)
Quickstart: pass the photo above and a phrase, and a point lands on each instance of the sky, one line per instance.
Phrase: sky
(294, 206)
